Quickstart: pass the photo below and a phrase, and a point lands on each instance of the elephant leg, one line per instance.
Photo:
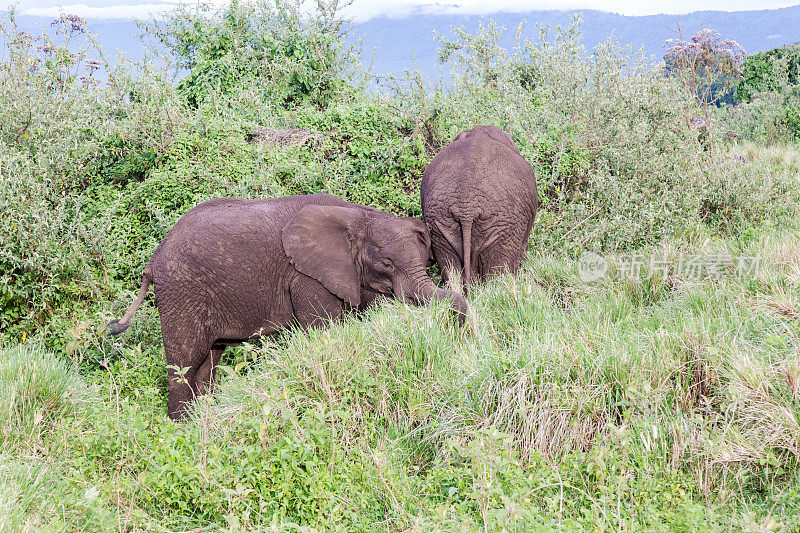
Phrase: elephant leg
(446, 252)
(312, 303)
(449, 262)
(367, 298)
(184, 357)
(204, 377)
(502, 255)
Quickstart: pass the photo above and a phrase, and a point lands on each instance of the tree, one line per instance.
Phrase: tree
(769, 71)
(290, 54)
(707, 65)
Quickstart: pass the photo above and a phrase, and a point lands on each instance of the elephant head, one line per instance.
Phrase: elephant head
(349, 250)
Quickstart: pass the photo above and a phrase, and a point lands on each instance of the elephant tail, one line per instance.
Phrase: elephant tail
(466, 236)
(117, 326)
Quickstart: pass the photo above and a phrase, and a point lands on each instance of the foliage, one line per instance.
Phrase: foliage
(108, 174)
(769, 93)
(618, 165)
(48, 110)
(97, 183)
(291, 55)
(768, 71)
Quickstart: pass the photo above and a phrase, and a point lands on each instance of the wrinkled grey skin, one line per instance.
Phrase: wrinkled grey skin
(479, 201)
(230, 270)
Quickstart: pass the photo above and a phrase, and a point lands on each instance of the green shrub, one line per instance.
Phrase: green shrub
(769, 118)
(768, 98)
(47, 110)
(768, 71)
(268, 474)
(618, 165)
(374, 153)
(291, 56)
(613, 141)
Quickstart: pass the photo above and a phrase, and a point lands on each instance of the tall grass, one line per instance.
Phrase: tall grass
(694, 378)
(35, 389)
(650, 404)
(556, 362)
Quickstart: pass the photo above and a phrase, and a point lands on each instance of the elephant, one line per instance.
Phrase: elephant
(232, 269)
(479, 202)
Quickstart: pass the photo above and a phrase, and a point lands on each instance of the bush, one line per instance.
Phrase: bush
(48, 111)
(768, 71)
(619, 157)
(291, 56)
(279, 468)
(618, 163)
(768, 119)
(769, 98)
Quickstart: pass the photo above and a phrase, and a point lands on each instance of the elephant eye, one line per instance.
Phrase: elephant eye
(387, 264)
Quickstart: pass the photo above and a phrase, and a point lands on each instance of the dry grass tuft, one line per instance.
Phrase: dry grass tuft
(791, 373)
(786, 257)
(781, 302)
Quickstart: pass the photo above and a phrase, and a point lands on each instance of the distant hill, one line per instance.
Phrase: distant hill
(393, 44)
(397, 40)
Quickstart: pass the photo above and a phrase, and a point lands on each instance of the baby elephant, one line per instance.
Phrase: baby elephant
(230, 270)
(479, 201)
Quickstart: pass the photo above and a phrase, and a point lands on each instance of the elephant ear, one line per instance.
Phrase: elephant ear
(319, 243)
(423, 236)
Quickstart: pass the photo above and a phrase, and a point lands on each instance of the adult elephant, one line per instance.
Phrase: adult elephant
(479, 201)
(230, 270)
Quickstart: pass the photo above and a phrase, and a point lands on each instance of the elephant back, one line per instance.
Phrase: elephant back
(481, 162)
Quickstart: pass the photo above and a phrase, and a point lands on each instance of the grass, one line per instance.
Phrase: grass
(779, 156)
(668, 402)
(35, 388)
(563, 405)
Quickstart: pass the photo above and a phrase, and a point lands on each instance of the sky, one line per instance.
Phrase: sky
(362, 10)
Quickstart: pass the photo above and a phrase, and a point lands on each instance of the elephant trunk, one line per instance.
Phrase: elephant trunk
(423, 291)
